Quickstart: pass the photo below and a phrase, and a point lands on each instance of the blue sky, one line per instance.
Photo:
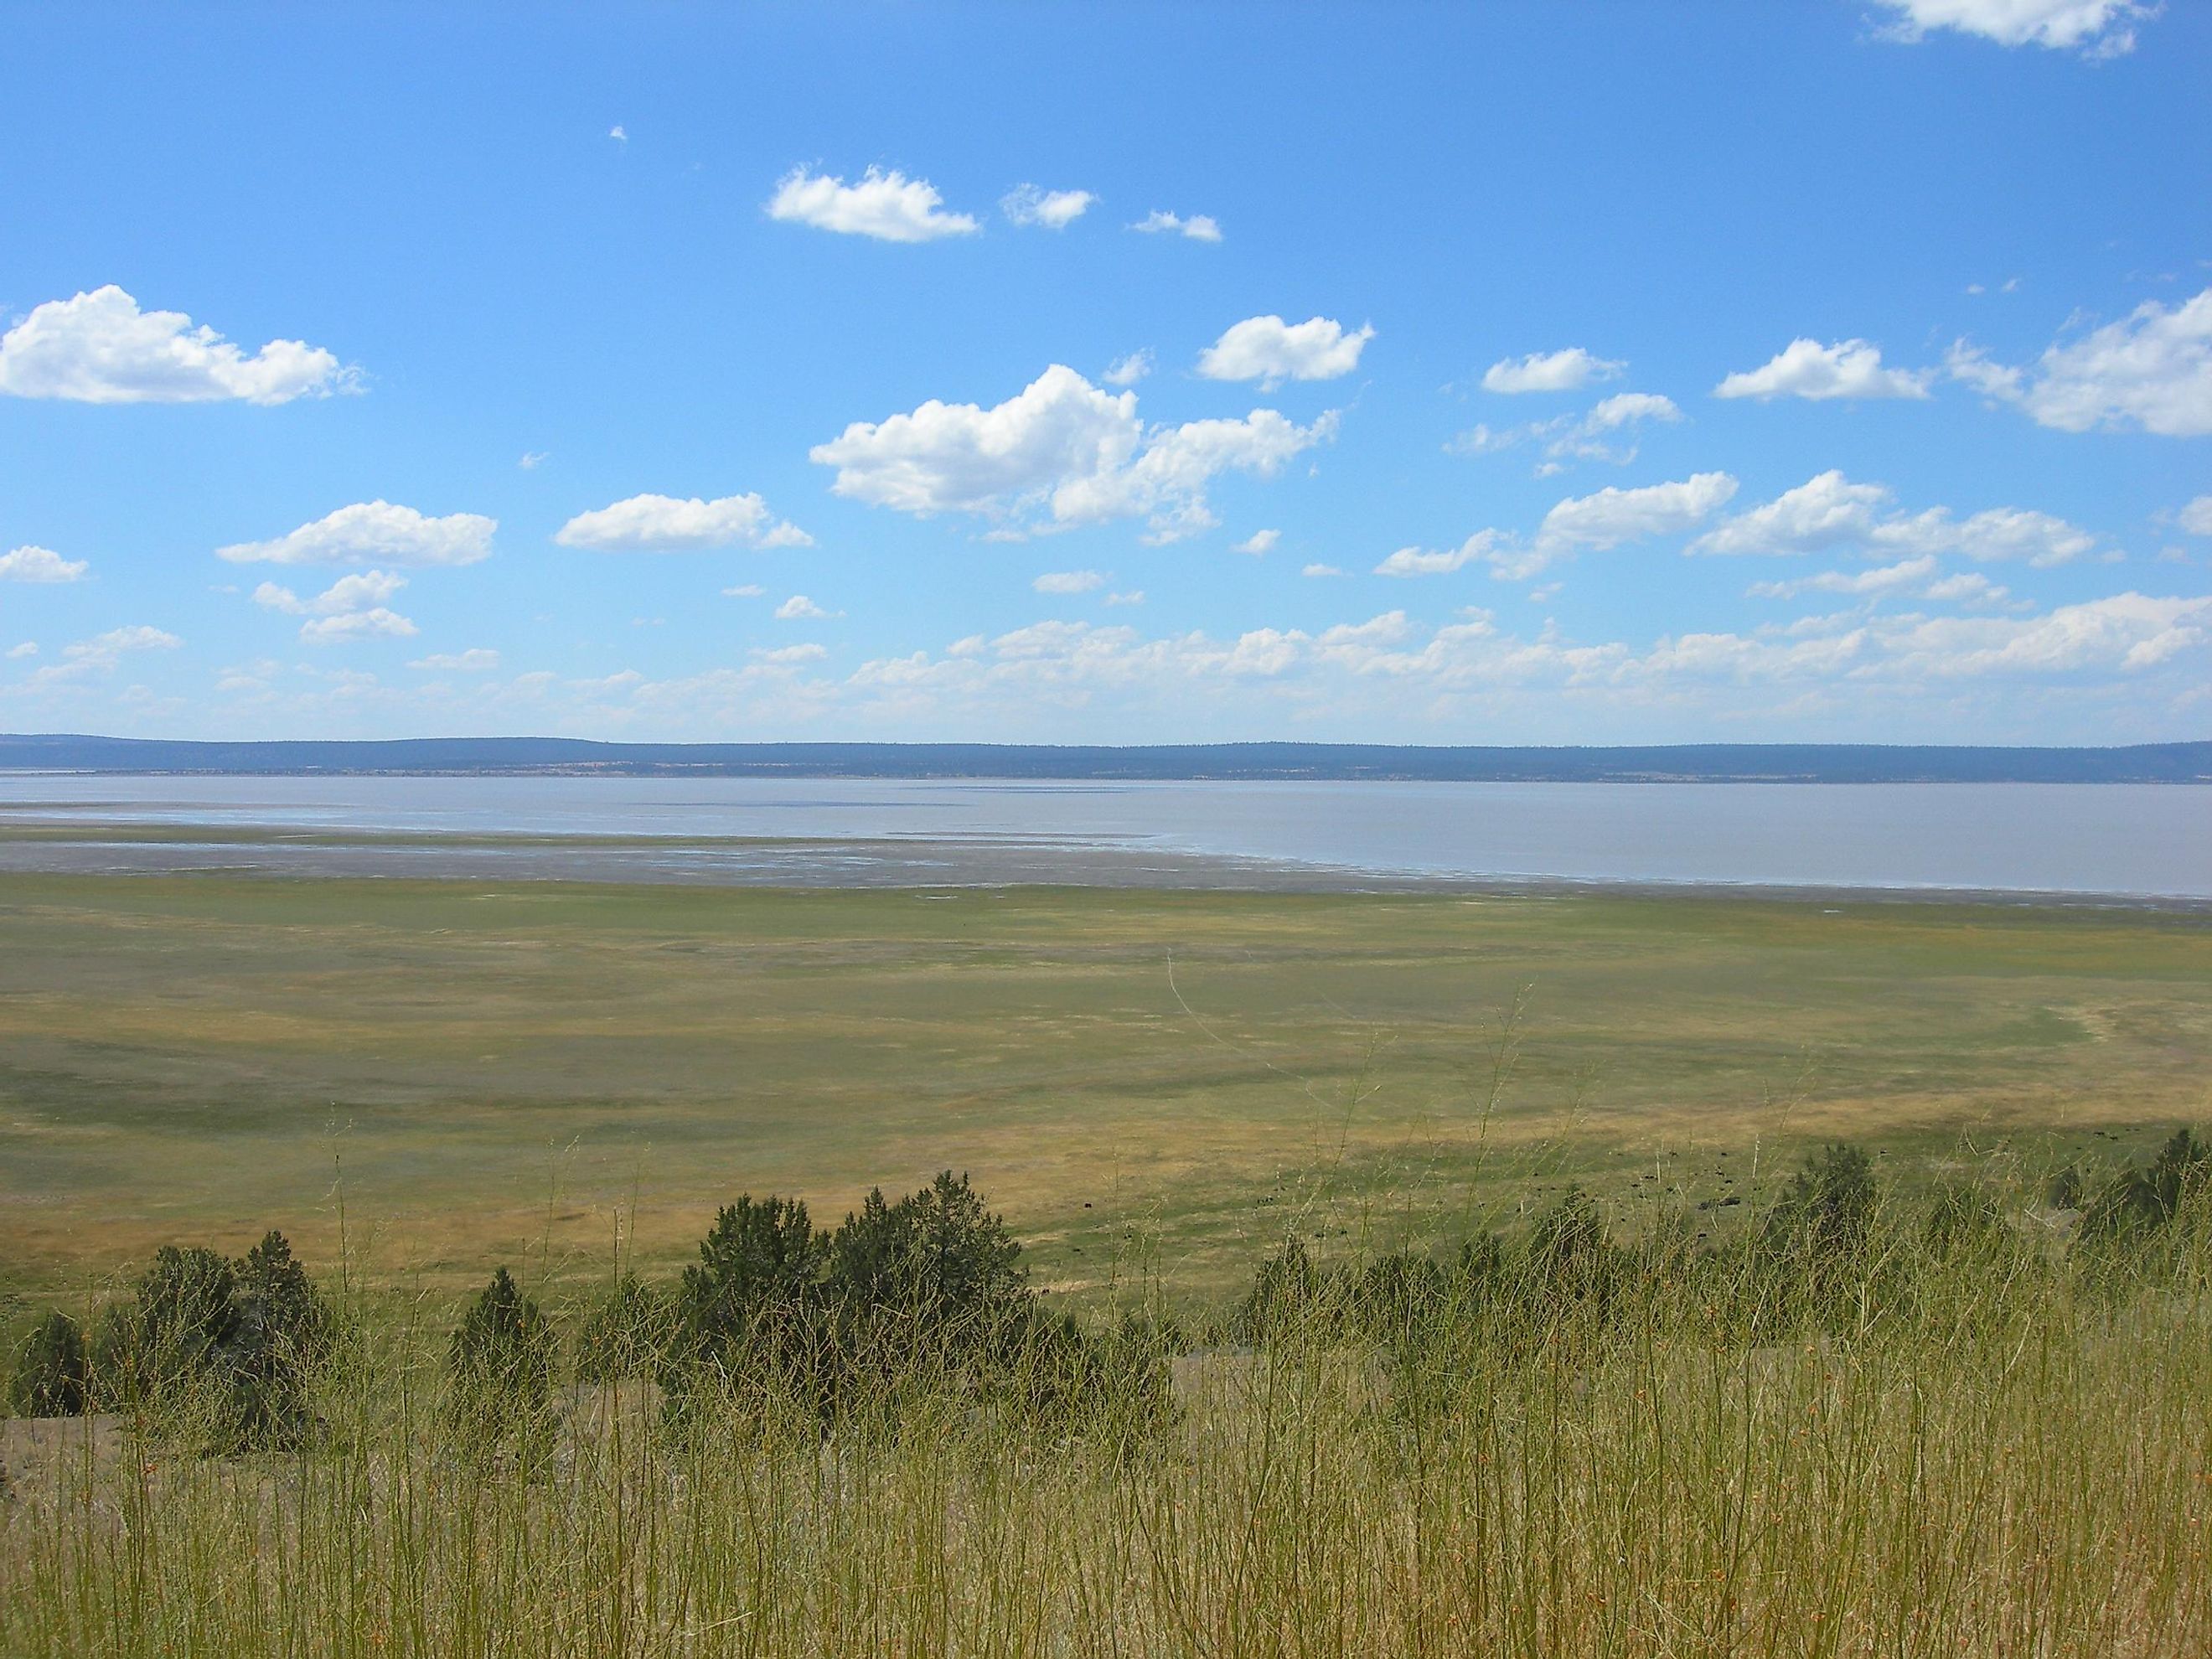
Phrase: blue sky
(1513, 374)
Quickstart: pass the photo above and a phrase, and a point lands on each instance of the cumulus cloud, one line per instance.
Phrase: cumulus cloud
(1047, 209)
(363, 591)
(1806, 368)
(1128, 371)
(1594, 436)
(1199, 227)
(800, 608)
(1423, 561)
(102, 654)
(2000, 533)
(1269, 350)
(744, 590)
(40, 564)
(791, 654)
(352, 608)
(1595, 523)
(1884, 579)
(1611, 516)
(2197, 517)
(888, 206)
(1321, 570)
(1968, 588)
(99, 348)
(18, 653)
(1828, 511)
(350, 626)
(375, 533)
(2152, 369)
(2096, 28)
(1068, 581)
(1060, 452)
(663, 524)
(1823, 512)
(476, 660)
(1549, 371)
(1135, 596)
(1261, 542)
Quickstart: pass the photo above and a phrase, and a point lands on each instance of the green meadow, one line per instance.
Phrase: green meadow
(1161, 1083)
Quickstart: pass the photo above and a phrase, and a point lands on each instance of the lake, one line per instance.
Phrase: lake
(2141, 842)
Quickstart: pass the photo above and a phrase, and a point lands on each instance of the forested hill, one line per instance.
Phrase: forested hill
(2169, 763)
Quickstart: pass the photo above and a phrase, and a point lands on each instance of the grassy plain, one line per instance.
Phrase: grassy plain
(1164, 1079)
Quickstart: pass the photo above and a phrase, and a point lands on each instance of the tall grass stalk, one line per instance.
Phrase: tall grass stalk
(2005, 1453)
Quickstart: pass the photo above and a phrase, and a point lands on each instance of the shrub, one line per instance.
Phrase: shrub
(2144, 1199)
(628, 1334)
(751, 1310)
(49, 1379)
(1285, 1296)
(926, 1293)
(281, 1332)
(500, 1363)
(174, 1333)
(237, 1342)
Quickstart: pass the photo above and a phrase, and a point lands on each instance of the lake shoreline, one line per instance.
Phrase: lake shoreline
(912, 865)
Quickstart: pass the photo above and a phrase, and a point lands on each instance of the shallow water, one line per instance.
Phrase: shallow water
(2146, 841)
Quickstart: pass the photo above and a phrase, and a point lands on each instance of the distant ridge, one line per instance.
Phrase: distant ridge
(2161, 763)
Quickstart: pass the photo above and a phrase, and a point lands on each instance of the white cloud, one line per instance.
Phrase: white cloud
(1567, 438)
(2127, 631)
(1611, 516)
(790, 654)
(744, 591)
(1128, 371)
(1269, 350)
(800, 608)
(376, 622)
(1968, 586)
(1549, 371)
(663, 524)
(888, 206)
(1050, 209)
(531, 459)
(1828, 510)
(1483, 439)
(1060, 453)
(2000, 533)
(363, 591)
(99, 348)
(1627, 408)
(2197, 517)
(1884, 579)
(2152, 369)
(1806, 368)
(1199, 227)
(1321, 570)
(351, 608)
(1068, 581)
(1422, 561)
(1135, 596)
(18, 653)
(40, 564)
(101, 654)
(1823, 512)
(375, 533)
(1260, 543)
(2097, 28)
(477, 660)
